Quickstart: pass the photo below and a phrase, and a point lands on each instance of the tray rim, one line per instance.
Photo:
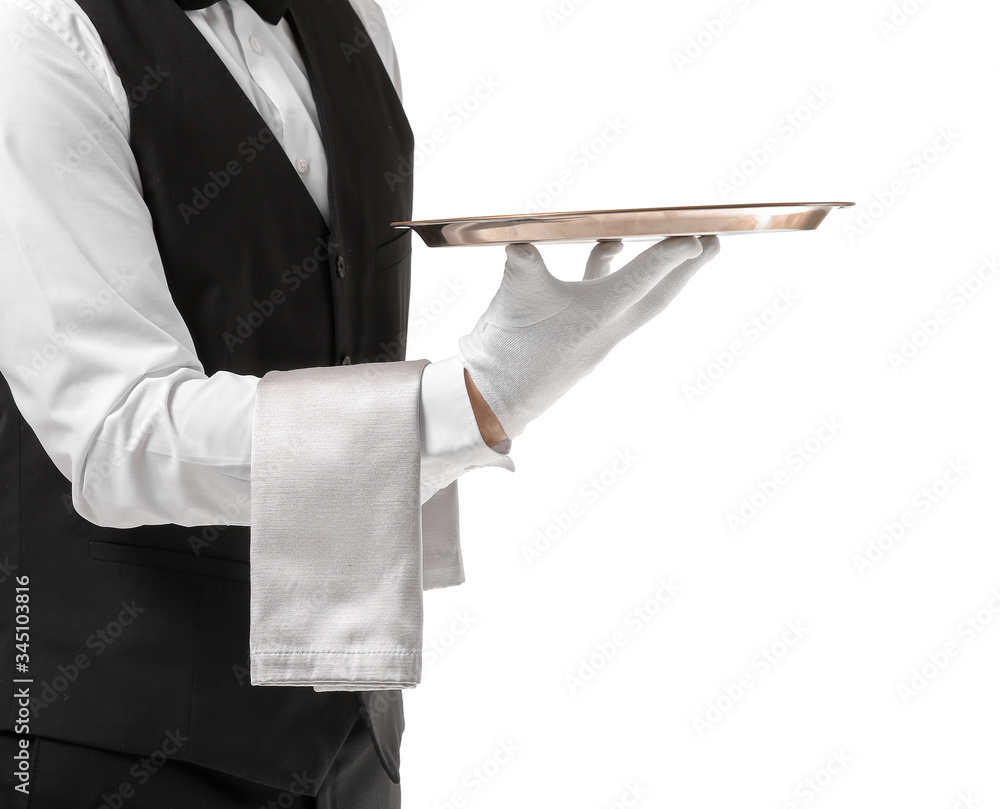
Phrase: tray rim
(412, 224)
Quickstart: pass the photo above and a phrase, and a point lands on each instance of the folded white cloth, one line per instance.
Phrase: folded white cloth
(439, 539)
(337, 557)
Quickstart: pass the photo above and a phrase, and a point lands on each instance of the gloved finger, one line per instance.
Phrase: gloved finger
(656, 300)
(599, 263)
(631, 283)
(525, 267)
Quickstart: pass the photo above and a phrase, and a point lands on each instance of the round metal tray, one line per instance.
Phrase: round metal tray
(626, 224)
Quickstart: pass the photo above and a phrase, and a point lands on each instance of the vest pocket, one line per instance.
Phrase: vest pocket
(175, 561)
(393, 251)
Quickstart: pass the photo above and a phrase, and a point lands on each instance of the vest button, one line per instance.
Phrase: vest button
(341, 267)
(346, 360)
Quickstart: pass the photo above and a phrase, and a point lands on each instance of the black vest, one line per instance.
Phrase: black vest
(141, 633)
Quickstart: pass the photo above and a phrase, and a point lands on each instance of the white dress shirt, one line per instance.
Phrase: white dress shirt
(99, 360)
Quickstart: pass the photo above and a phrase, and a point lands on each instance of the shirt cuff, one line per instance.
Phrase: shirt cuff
(450, 440)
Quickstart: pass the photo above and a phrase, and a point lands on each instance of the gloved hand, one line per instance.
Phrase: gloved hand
(540, 336)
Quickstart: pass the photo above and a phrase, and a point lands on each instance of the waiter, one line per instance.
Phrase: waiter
(223, 490)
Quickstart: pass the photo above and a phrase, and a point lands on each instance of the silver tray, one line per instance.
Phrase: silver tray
(628, 223)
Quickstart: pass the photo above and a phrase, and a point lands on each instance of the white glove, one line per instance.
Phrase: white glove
(540, 336)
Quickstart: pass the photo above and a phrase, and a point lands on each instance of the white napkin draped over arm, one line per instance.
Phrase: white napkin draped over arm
(337, 560)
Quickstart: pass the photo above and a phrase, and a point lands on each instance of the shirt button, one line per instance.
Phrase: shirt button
(346, 361)
(302, 165)
(255, 45)
(341, 267)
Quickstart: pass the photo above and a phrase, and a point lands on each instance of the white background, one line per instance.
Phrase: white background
(499, 648)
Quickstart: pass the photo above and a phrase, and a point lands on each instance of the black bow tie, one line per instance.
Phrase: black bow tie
(271, 11)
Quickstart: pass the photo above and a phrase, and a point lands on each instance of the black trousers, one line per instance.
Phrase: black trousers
(69, 776)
